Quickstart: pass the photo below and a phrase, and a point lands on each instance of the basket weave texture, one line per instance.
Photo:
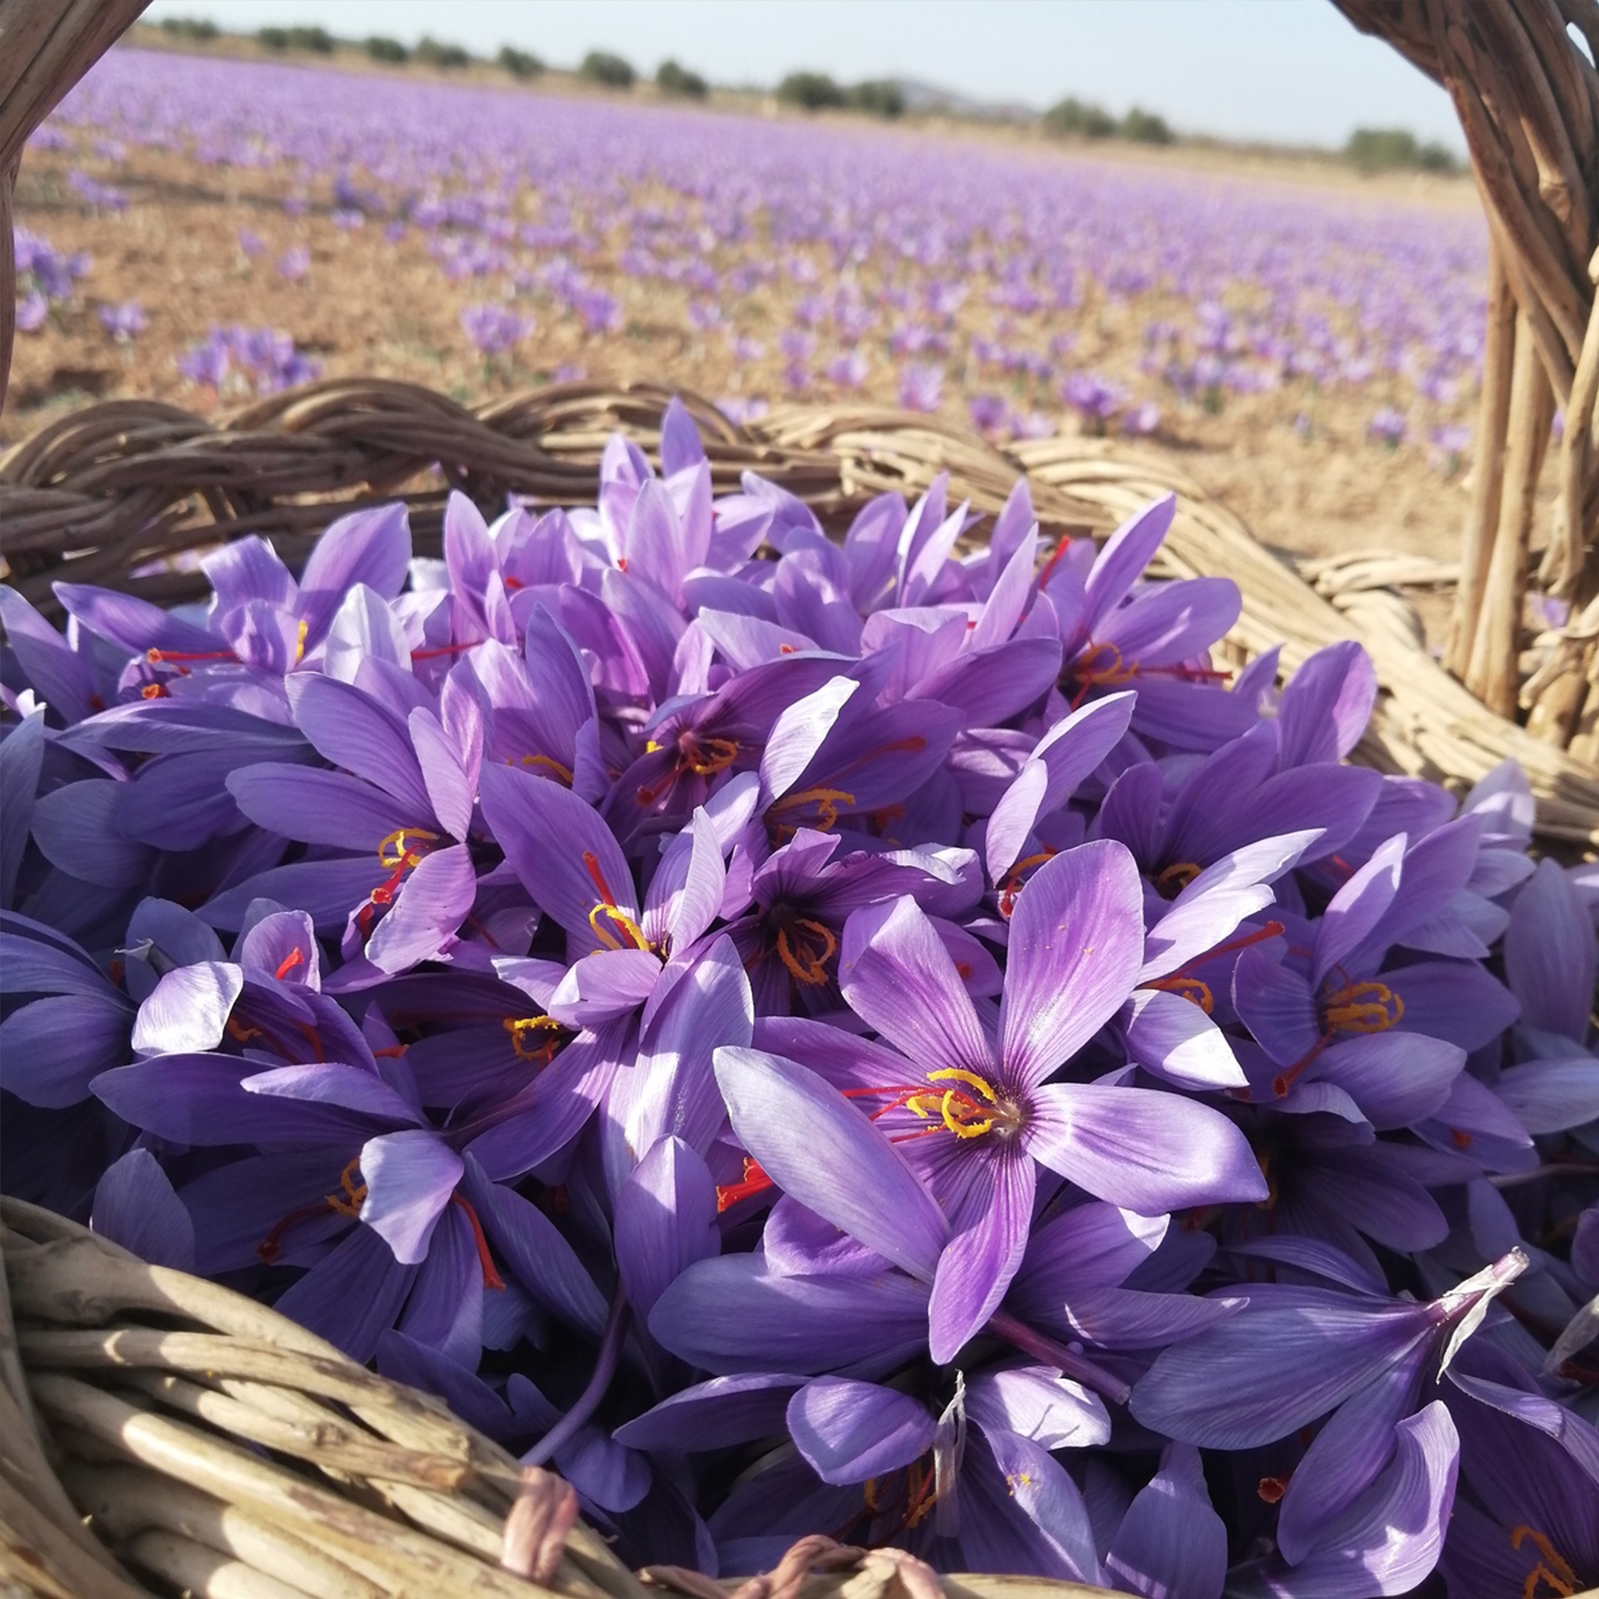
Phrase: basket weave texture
(216, 1448)
(111, 494)
(1528, 100)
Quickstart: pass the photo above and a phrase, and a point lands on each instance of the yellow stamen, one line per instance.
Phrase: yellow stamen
(708, 756)
(394, 850)
(1553, 1568)
(958, 1108)
(299, 641)
(614, 914)
(1175, 878)
(1364, 1008)
(808, 965)
(520, 1027)
(826, 800)
(354, 1196)
(564, 773)
(1190, 988)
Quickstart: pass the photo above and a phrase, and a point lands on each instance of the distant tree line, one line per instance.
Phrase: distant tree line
(1082, 119)
(1396, 149)
(816, 91)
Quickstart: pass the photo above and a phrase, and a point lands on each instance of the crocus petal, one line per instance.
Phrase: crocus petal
(1289, 1356)
(409, 1179)
(977, 1265)
(714, 1414)
(1356, 909)
(55, 1047)
(1171, 1544)
(814, 1144)
(1141, 1149)
(665, 1221)
(1076, 943)
(371, 547)
(75, 826)
(1551, 954)
(1549, 1096)
(853, 1431)
(1171, 1037)
(1037, 1403)
(1396, 1078)
(351, 1296)
(1122, 561)
(432, 903)
(798, 733)
(21, 758)
(730, 1315)
(189, 1009)
(353, 730)
(549, 836)
(135, 1206)
(898, 977)
(1390, 1538)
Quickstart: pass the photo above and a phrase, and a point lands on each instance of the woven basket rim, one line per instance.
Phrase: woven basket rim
(101, 493)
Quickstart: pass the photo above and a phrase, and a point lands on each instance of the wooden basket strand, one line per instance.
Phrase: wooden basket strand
(158, 1429)
(112, 493)
(1528, 101)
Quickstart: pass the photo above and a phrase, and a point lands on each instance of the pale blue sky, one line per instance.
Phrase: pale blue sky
(1290, 70)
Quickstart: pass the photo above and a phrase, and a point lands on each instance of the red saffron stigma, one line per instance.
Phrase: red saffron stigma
(1272, 1489)
(288, 963)
(491, 1278)
(156, 657)
(755, 1182)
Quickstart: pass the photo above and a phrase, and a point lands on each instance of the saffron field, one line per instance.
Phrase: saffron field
(199, 229)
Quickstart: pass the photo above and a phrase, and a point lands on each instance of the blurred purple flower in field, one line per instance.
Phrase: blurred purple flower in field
(739, 410)
(348, 218)
(1142, 420)
(1033, 425)
(742, 347)
(294, 264)
(1449, 446)
(494, 329)
(796, 344)
(1095, 399)
(570, 372)
(123, 322)
(395, 231)
(601, 312)
(295, 205)
(921, 386)
(33, 311)
(704, 315)
(1387, 427)
(102, 196)
(989, 413)
(849, 370)
(251, 242)
(263, 360)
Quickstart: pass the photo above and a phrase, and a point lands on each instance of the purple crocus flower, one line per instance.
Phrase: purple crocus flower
(921, 386)
(972, 1114)
(123, 322)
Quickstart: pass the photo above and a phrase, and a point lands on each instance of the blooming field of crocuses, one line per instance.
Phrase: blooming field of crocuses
(760, 260)
(850, 1038)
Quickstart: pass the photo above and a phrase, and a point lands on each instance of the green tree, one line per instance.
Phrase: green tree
(878, 96)
(601, 66)
(390, 50)
(670, 78)
(1144, 127)
(1079, 119)
(520, 63)
(432, 53)
(815, 91)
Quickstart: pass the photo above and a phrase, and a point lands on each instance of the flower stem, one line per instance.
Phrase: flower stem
(1072, 1365)
(589, 1400)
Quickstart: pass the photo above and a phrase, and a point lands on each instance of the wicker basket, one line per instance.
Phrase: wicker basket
(216, 1448)
(117, 488)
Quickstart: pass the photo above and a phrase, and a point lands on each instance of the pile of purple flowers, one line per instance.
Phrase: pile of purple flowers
(882, 1037)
